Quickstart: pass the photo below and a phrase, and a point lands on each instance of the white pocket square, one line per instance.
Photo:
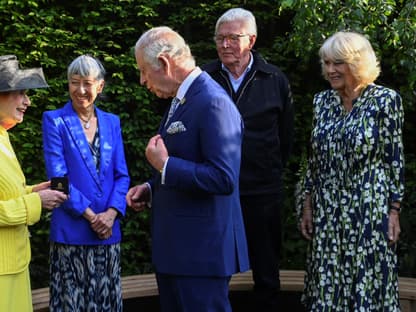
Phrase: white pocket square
(176, 127)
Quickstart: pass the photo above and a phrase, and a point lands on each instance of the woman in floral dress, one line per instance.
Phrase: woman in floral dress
(354, 184)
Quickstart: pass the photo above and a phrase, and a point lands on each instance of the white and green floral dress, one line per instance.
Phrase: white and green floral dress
(355, 171)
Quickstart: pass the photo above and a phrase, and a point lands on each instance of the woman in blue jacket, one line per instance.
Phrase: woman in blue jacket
(84, 144)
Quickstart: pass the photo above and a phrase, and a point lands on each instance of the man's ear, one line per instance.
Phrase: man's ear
(252, 39)
(164, 63)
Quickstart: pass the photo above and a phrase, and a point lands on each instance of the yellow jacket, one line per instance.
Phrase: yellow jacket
(19, 207)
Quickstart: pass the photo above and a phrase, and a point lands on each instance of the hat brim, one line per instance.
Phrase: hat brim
(24, 79)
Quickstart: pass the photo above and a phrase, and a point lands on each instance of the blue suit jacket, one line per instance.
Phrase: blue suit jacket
(67, 153)
(197, 225)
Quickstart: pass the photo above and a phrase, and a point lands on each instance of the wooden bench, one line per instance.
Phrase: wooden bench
(407, 291)
(144, 285)
(289, 280)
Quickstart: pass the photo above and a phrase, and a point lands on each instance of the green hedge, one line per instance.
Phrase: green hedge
(52, 33)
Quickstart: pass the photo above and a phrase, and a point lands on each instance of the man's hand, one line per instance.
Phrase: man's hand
(138, 197)
(156, 152)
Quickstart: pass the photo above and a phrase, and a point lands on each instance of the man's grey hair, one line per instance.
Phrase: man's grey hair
(163, 40)
(239, 14)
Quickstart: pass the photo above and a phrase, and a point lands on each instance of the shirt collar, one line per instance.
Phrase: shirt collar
(250, 64)
(183, 88)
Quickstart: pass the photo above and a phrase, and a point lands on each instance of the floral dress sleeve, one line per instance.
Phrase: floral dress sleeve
(393, 145)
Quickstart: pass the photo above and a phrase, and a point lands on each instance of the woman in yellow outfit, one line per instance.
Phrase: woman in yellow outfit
(20, 204)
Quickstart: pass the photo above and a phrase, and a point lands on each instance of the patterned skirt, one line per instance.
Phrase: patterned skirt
(85, 278)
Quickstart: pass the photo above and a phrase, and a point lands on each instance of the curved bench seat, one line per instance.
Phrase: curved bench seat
(144, 285)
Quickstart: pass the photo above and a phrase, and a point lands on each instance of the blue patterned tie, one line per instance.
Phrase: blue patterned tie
(173, 106)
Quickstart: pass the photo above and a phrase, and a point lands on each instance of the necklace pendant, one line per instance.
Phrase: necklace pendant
(87, 125)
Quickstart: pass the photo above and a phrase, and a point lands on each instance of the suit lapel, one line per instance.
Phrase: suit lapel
(182, 108)
(80, 140)
(106, 143)
(162, 128)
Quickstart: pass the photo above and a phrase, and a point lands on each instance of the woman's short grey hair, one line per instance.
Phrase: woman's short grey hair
(355, 50)
(163, 40)
(86, 65)
(238, 14)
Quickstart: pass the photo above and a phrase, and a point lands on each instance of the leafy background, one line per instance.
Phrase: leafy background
(51, 33)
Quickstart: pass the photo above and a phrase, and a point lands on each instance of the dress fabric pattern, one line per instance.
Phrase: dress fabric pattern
(355, 171)
(96, 272)
(95, 149)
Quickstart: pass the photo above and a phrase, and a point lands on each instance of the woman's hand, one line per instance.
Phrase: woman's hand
(106, 235)
(103, 222)
(306, 225)
(50, 198)
(41, 186)
(394, 226)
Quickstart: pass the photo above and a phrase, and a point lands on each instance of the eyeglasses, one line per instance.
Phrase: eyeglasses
(231, 38)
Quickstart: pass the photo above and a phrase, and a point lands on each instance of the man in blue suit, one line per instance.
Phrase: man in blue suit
(198, 237)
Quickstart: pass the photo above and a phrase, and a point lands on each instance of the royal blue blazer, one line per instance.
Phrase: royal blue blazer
(197, 224)
(67, 153)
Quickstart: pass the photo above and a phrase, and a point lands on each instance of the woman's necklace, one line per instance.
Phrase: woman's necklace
(86, 122)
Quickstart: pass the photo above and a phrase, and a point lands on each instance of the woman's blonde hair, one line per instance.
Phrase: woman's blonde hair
(355, 50)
